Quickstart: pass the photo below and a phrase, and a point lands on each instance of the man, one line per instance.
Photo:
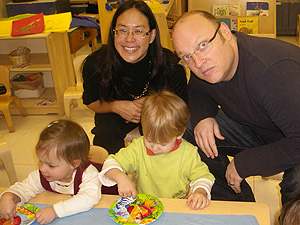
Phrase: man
(244, 97)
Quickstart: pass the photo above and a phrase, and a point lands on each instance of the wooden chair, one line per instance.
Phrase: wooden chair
(72, 94)
(135, 133)
(165, 37)
(6, 99)
(98, 154)
(6, 162)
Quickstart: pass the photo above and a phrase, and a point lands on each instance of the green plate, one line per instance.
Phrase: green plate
(24, 215)
(145, 208)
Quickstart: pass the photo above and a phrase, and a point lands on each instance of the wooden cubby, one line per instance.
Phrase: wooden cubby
(50, 53)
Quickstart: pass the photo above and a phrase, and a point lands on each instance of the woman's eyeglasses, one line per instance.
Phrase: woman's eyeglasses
(203, 48)
(123, 33)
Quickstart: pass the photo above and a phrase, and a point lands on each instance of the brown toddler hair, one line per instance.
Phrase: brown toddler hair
(164, 116)
(68, 139)
(290, 212)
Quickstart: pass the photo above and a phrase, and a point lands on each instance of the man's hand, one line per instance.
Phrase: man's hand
(233, 178)
(205, 133)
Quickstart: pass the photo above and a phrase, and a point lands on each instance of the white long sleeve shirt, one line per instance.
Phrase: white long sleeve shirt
(88, 195)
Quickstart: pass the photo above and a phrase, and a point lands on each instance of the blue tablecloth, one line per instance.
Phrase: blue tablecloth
(100, 216)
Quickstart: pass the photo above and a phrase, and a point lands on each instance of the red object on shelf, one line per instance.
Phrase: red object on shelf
(30, 25)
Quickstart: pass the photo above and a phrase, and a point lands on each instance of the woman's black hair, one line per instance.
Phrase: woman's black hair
(109, 64)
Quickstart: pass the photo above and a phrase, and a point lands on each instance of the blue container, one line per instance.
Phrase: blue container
(47, 7)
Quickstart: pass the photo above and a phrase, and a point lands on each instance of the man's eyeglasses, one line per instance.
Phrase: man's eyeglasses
(203, 48)
(123, 33)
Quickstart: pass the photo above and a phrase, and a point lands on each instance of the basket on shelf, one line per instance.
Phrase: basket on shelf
(171, 19)
(20, 56)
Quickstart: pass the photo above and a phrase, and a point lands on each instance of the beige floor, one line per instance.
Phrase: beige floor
(22, 145)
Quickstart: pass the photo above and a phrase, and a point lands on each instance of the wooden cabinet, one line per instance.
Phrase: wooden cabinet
(50, 54)
(286, 17)
(266, 24)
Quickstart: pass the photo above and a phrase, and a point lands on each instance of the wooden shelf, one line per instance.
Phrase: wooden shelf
(31, 36)
(49, 52)
(38, 62)
(30, 104)
(266, 24)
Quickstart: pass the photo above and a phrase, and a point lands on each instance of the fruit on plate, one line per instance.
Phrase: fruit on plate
(139, 211)
(17, 221)
(144, 209)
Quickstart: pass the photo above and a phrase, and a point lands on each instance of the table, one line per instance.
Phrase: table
(260, 210)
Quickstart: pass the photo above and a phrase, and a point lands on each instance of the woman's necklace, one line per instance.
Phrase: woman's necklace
(145, 88)
(141, 95)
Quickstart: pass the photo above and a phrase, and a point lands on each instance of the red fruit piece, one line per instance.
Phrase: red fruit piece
(17, 221)
(130, 208)
(149, 211)
(139, 216)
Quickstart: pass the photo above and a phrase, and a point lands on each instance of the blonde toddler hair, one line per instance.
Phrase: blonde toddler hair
(164, 116)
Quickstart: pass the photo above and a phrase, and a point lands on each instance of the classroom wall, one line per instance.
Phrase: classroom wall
(3, 13)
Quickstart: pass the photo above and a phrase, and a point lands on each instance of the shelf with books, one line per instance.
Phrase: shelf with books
(263, 28)
(230, 11)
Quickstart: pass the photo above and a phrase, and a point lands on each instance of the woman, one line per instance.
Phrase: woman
(118, 76)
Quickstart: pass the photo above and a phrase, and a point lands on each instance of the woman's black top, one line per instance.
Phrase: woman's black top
(136, 77)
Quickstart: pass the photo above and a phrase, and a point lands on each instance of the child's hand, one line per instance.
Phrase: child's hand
(46, 215)
(8, 206)
(198, 199)
(126, 188)
(125, 185)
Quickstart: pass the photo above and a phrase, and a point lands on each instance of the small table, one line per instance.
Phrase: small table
(260, 210)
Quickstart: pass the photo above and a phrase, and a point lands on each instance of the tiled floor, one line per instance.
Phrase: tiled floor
(22, 145)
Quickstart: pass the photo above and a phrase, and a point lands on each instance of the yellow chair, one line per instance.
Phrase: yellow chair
(6, 161)
(98, 154)
(165, 37)
(135, 133)
(72, 94)
(6, 99)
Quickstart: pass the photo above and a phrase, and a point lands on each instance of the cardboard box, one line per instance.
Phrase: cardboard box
(26, 93)
(30, 85)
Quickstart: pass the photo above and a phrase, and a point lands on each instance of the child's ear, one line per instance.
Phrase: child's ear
(76, 163)
(179, 137)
